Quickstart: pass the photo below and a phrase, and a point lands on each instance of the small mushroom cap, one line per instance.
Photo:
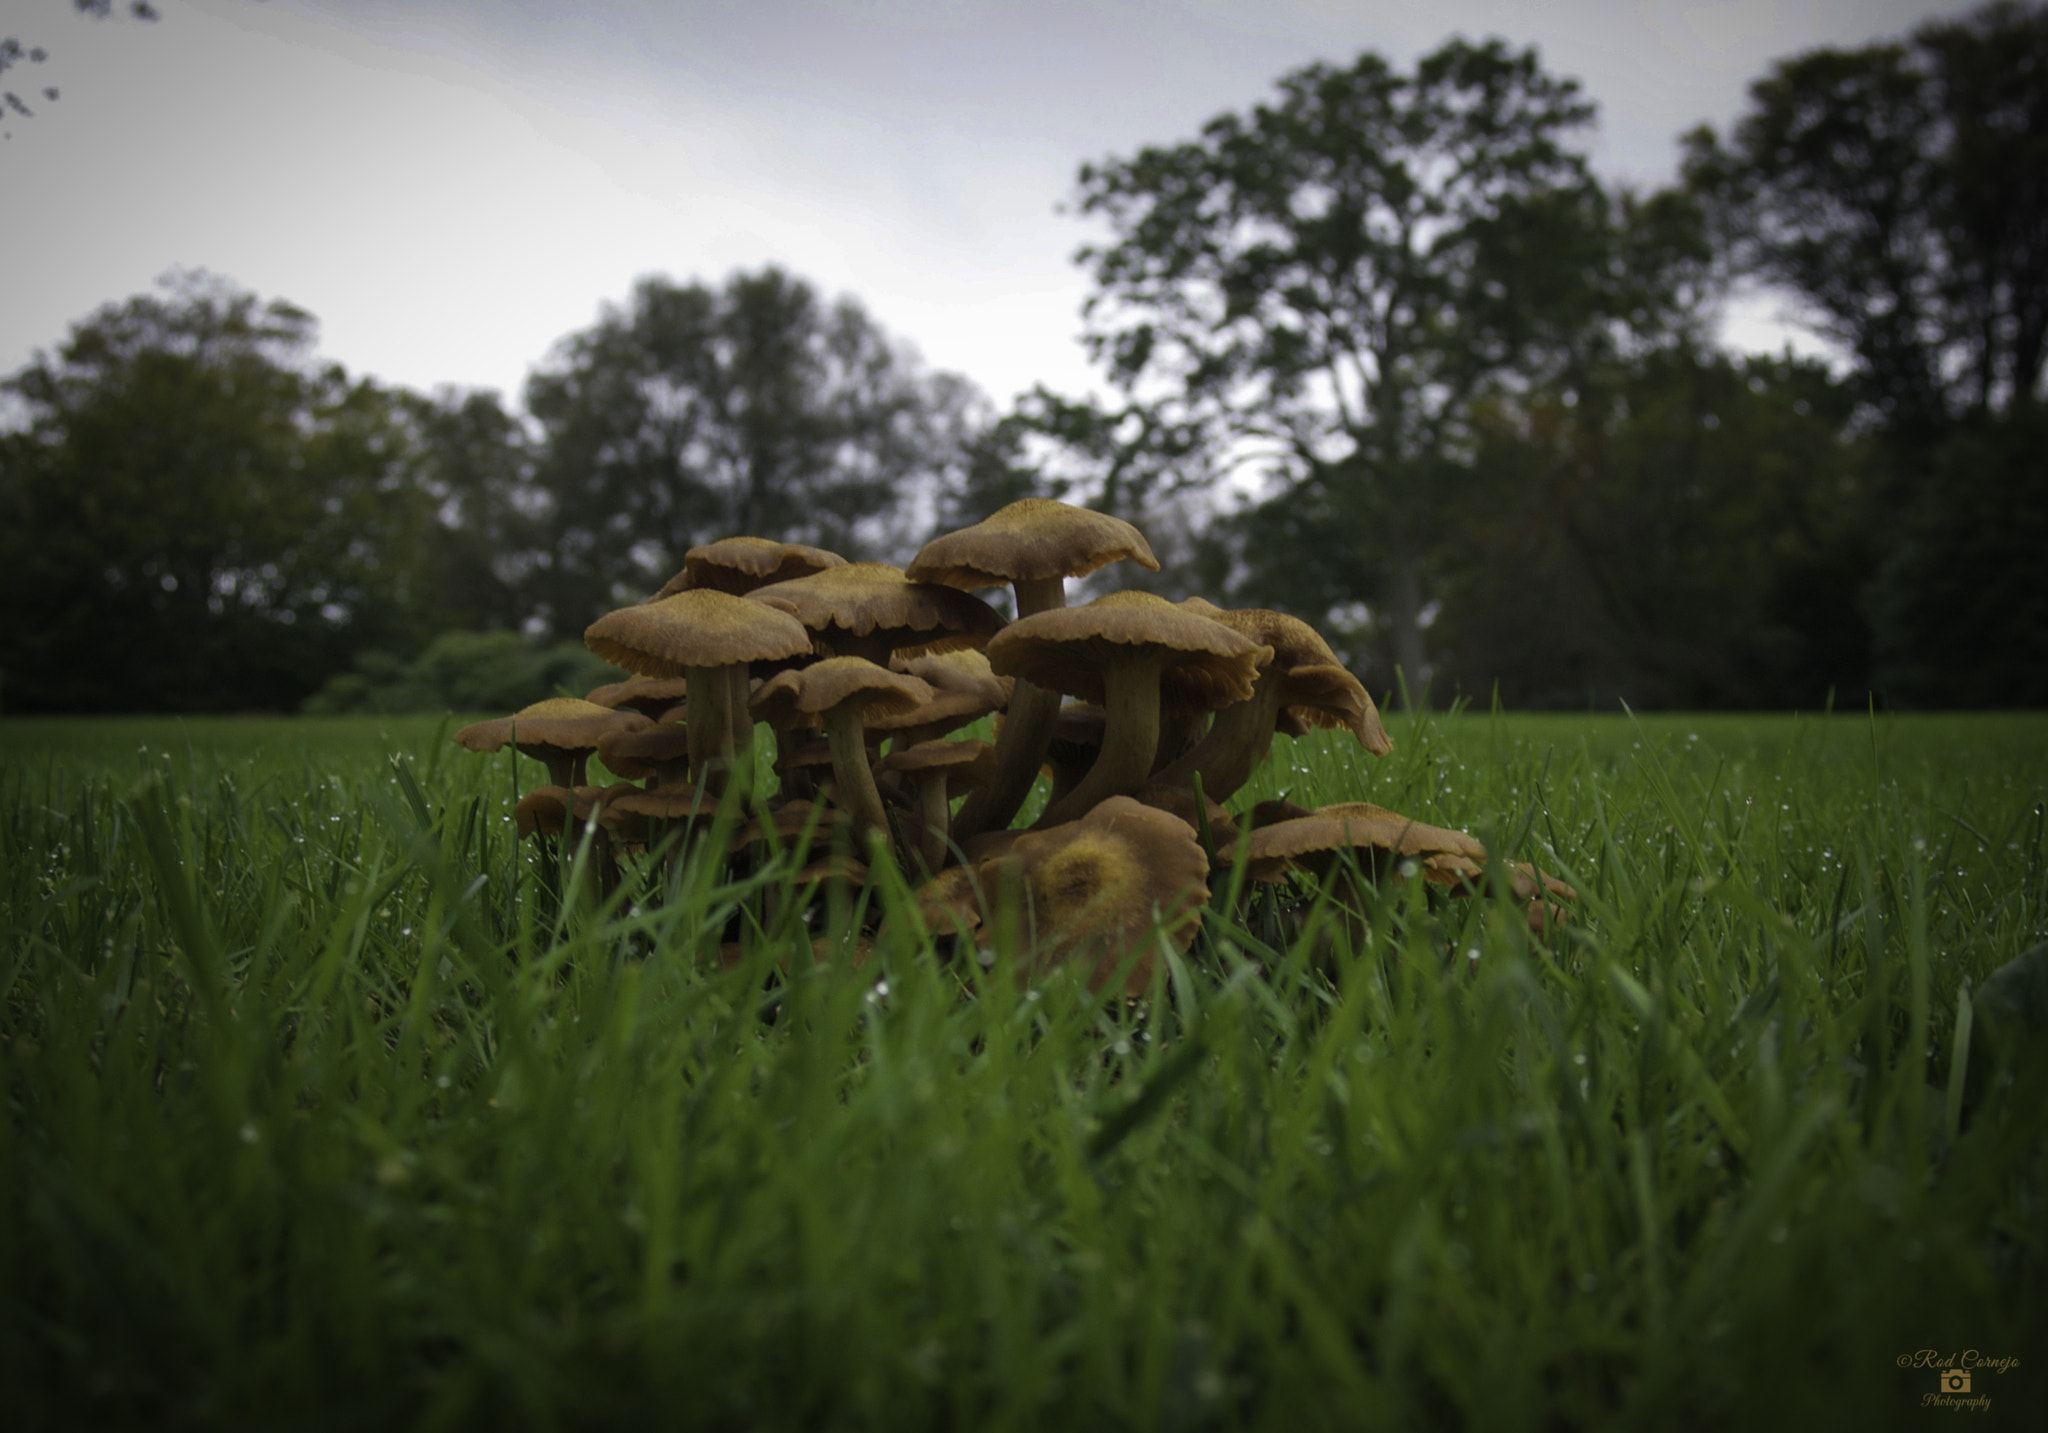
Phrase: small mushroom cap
(1098, 886)
(651, 751)
(936, 755)
(824, 686)
(557, 724)
(1358, 825)
(652, 697)
(1030, 540)
(668, 803)
(697, 628)
(963, 690)
(864, 598)
(1316, 690)
(545, 809)
(1068, 649)
(738, 565)
(788, 822)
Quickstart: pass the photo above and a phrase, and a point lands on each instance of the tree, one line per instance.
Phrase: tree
(1683, 530)
(694, 413)
(1901, 191)
(196, 515)
(1323, 285)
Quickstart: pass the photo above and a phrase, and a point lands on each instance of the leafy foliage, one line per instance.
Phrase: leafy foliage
(692, 413)
(1321, 286)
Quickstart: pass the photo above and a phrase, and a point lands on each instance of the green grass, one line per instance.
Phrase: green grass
(318, 1115)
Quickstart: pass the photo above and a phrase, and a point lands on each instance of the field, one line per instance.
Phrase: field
(323, 1111)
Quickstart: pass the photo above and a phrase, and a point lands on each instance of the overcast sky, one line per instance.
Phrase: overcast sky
(450, 186)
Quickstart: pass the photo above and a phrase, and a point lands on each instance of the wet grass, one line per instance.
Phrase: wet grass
(320, 1110)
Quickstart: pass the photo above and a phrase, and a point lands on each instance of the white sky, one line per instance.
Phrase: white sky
(450, 186)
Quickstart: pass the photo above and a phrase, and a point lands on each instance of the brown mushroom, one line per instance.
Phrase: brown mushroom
(704, 636)
(1304, 680)
(560, 732)
(738, 565)
(836, 691)
(931, 766)
(1033, 545)
(871, 610)
(653, 697)
(1095, 889)
(658, 755)
(1123, 650)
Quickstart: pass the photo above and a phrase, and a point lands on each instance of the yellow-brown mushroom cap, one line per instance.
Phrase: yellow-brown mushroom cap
(1028, 541)
(825, 686)
(698, 628)
(559, 723)
(1097, 886)
(738, 565)
(652, 697)
(863, 599)
(1069, 649)
(1358, 825)
(650, 751)
(935, 755)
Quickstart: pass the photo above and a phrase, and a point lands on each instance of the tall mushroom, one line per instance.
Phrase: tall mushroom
(1120, 651)
(836, 691)
(738, 565)
(1033, 545)
(1304, 680)
(702, 635)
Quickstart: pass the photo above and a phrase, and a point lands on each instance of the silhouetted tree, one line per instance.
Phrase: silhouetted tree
(1901, 191)
(1321, 286)
(692, 413)
(197, 515)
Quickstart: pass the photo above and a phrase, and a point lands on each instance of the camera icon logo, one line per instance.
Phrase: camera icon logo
(1955, 1380)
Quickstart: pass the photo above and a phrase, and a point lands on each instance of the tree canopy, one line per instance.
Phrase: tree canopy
(691, 413)
(1324, 284)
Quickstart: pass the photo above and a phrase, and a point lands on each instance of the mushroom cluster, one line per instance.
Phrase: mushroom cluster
(865, 674)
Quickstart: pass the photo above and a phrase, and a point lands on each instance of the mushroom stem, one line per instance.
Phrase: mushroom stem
(851, 775)
(1130, 738)
(1235, 745)
(934, 816)
(710, 724)
(742, 719)
(1027, 731)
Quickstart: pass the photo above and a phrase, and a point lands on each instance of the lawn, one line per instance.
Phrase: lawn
(323, 1110)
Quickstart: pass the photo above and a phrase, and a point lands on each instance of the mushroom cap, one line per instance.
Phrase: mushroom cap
(1316, 691)
(1097, 887)
(557, 724)
(669, 803)
(648, 751)
(1358, 825)
(652, 697)
(935, 756)
(1030, 540)
(865, 598)
(738, 565)
(1068, 649)
(963, 690)
(545, 809)
(788, 822)
(824, 686)
(697, 628)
